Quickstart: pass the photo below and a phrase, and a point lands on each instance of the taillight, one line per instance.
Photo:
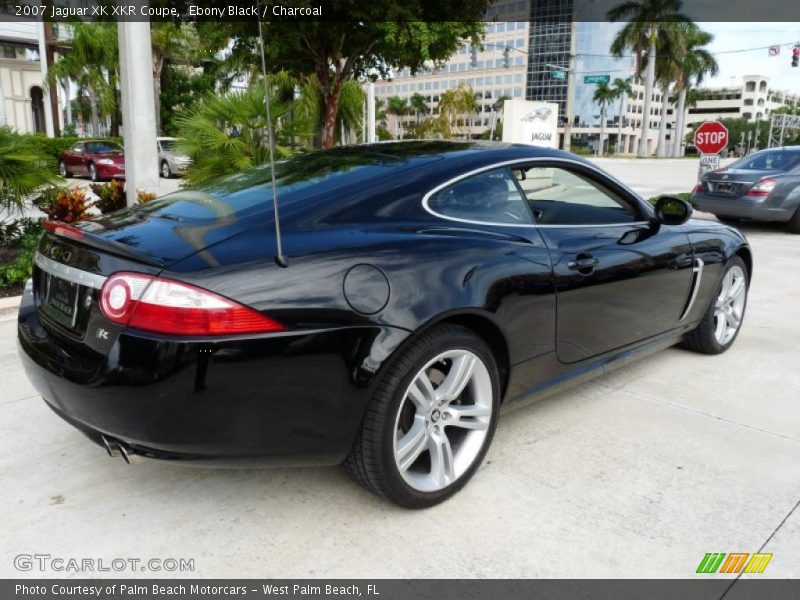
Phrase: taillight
(165, 306)
(762, 187)
(698, 189)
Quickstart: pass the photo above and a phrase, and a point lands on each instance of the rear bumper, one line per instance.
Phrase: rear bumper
(744, 207)
(284, 399)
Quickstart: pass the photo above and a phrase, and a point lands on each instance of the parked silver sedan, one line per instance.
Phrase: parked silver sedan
(170, 160)
(764, 186)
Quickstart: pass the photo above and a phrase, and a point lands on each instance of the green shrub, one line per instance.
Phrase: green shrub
(19, 271)
(12, 234)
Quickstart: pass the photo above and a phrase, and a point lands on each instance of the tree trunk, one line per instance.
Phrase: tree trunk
(331, 97)
(68, 102)
(158, 64)
(95, 116)
(619, 122)
(2, 107)
(601, 146)
(661, 149)
(648, 93)
(679, 123)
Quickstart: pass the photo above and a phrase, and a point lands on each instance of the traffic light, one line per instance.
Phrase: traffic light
(506, 57)
(796, 55)
(474, 57)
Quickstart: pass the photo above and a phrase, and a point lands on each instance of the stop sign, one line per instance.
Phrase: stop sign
(711, 137)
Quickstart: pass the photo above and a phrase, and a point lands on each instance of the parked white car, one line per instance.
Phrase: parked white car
(170, 160)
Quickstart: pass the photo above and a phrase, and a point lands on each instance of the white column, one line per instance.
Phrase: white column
(371, 113)
(138, 108)
(48, 108)
(2, 107)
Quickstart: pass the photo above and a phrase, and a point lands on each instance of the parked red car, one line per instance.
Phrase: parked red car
(99, 159)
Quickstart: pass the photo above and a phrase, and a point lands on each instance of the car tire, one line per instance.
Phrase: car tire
(448, 439)
(62, 169)
(794, 223)
(166, 172)
(715, 333)
(93, 173)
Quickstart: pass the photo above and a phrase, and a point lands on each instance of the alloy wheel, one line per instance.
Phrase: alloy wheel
(729, 307)
(165, 170)
(443, 420)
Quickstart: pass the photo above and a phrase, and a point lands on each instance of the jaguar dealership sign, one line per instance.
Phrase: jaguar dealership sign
(534, 123)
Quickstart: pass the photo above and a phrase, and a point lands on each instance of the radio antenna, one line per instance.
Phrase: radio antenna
(280, 259)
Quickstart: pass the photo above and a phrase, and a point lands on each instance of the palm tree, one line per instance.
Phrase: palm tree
(670, 53)
(171, 42)
(92, 63)
(498, 106)
(397, 106)
(603, 95)
(419, 105)
(205, 132)
(458, 102)
(24, 169)
(695, 64)
(646, 20)
(622, 89)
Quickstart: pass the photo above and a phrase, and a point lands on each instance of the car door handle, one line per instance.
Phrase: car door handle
(583, 263)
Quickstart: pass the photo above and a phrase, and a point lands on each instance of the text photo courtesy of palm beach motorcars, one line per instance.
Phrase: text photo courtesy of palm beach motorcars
(494, 284)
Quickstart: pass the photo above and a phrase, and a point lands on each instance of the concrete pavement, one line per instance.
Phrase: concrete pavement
(638, 473)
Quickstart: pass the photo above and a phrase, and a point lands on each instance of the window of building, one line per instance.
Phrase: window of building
(9, 51)
(748, 102)
(750, 86)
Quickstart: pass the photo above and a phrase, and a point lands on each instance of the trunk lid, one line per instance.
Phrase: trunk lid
(733, 183)
(73, 261)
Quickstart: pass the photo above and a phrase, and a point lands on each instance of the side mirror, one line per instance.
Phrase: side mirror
(672, 211)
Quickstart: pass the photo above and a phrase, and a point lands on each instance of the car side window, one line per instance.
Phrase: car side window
(488, 197)
(77, 148)
(559, 196)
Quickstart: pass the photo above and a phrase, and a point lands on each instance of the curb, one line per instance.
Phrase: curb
(9, 303)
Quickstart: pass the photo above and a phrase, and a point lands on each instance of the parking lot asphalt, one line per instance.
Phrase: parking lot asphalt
(636, 474)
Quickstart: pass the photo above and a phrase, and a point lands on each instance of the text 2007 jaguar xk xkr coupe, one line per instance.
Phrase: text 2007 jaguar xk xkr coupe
(425, 286)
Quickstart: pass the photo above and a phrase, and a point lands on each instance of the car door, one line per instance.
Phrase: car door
(82, 160)
(72, 159)
(618, 279)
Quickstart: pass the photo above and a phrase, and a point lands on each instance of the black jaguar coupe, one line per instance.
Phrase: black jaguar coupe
(422, 288)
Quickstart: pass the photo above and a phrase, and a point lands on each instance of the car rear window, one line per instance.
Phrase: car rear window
(313, 175)
(768, 160)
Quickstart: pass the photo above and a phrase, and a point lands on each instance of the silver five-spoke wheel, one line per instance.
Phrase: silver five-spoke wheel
(729, 307)
(443, 420)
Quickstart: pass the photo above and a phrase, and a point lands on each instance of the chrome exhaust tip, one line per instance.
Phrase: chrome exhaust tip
(117, 448)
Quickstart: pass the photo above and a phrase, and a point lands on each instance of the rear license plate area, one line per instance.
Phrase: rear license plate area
(61, 301)
(724, 188)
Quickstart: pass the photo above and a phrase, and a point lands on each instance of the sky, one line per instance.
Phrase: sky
(738, 36)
